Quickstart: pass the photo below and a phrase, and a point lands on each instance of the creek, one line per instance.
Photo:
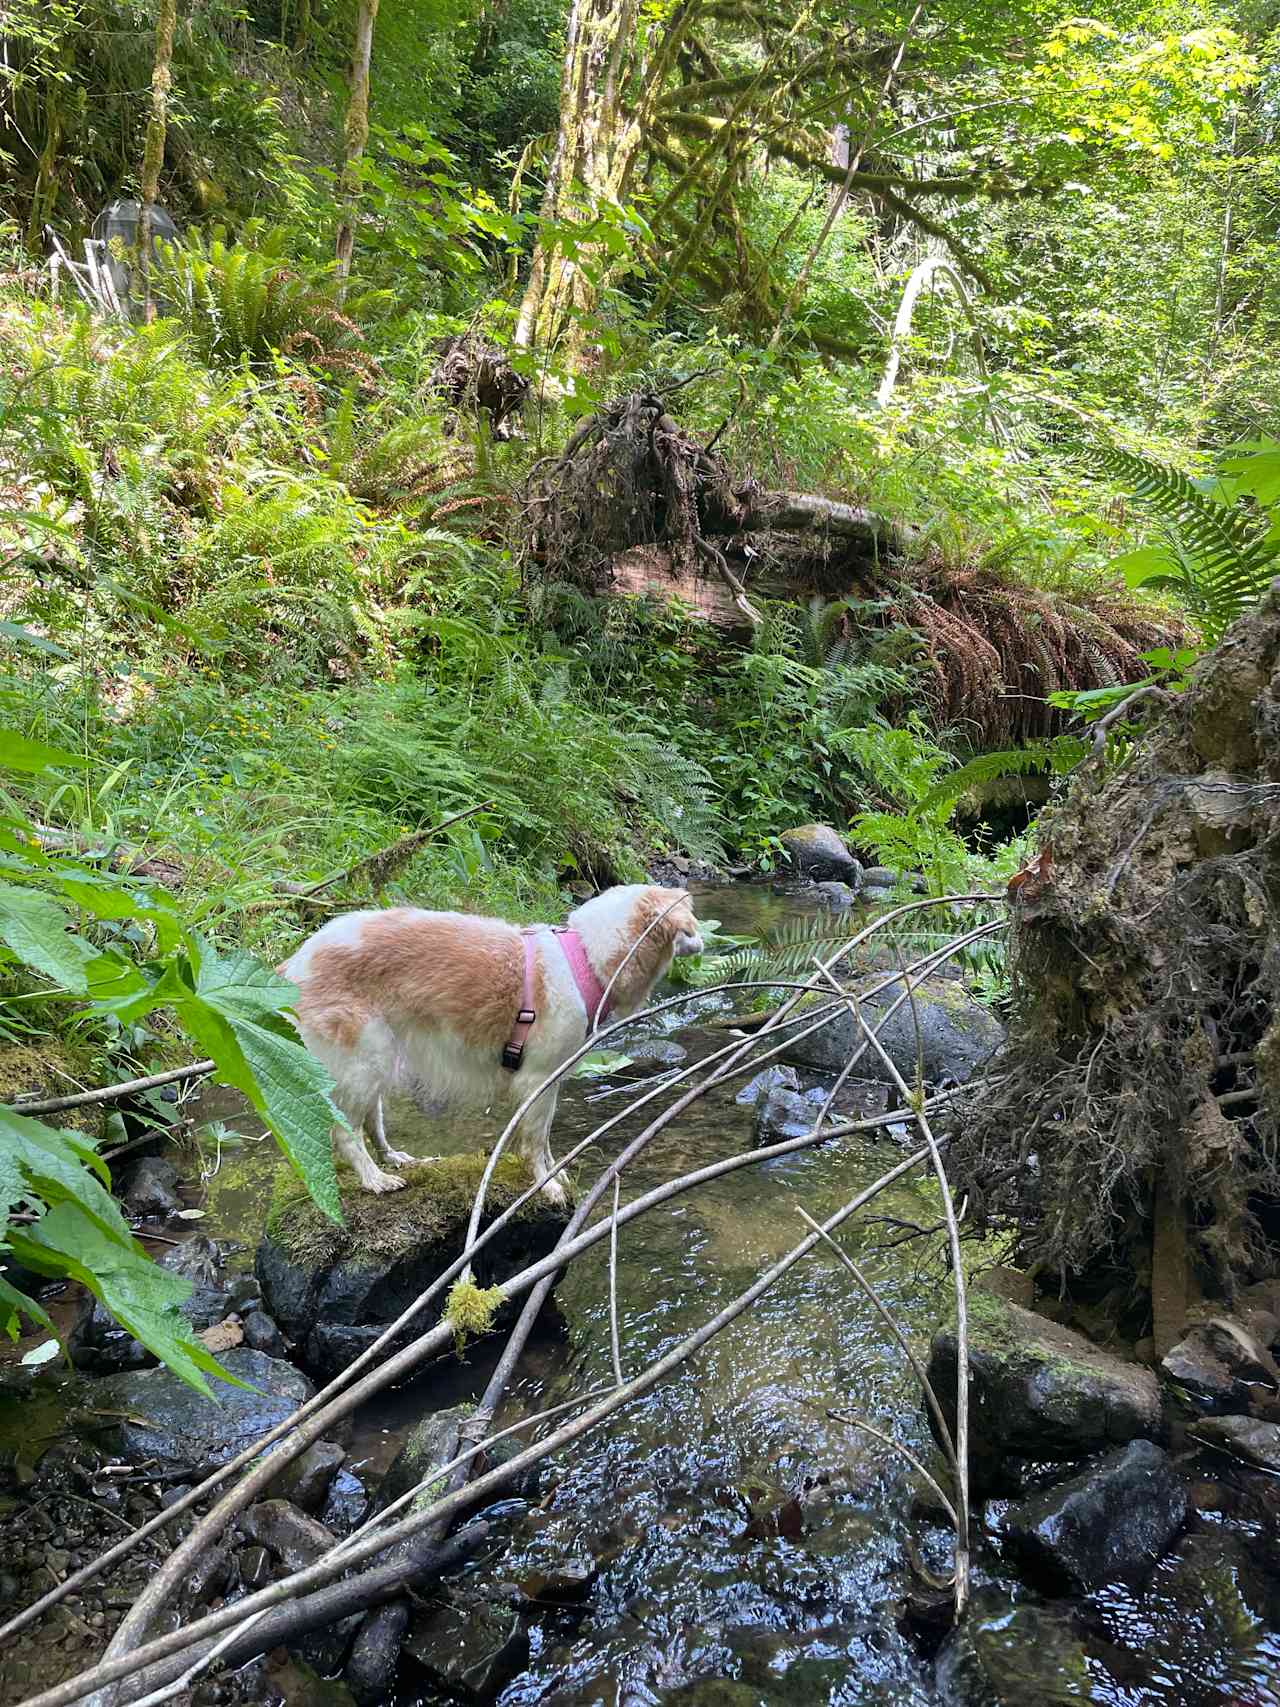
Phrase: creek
(742, 1548)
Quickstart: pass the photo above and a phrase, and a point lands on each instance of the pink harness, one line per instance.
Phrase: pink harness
(589, 988)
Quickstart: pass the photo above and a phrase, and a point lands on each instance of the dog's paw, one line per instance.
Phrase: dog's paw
(554, 1192)
(402, 1159)
(379, 1183)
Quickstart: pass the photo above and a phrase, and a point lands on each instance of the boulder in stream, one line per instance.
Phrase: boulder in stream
(1013, 1655)
(1115, 1519)
(1040, 1391)
(957, 1034)
(162, 1419)
(817, 851)
(334, 1289)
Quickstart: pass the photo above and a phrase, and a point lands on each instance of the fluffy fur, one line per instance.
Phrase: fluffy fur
(422, 1003)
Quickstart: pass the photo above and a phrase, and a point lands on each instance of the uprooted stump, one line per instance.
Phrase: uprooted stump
(334, 1289)
(1136, 1123)
(473, 374)
(637, 505)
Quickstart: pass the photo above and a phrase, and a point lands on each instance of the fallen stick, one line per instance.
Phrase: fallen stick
(277, 1627)
(114, 1093)
(326, 1570)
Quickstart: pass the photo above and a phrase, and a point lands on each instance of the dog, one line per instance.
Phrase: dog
(473, 1012)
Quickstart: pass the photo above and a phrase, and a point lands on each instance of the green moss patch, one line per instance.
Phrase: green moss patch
(436, 1198)
(50, 1068)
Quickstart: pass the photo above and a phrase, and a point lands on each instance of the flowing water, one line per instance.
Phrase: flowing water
(748, 1548)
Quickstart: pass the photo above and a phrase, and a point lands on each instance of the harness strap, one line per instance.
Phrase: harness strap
(589, 988)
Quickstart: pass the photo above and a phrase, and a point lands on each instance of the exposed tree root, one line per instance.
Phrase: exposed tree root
(635, 501)
(1146, 954)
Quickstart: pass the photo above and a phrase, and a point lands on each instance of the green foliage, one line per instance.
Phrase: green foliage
(1222, 543)
(250, 300)
(72, 930)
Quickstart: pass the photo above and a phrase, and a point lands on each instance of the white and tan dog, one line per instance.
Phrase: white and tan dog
(435, 1004)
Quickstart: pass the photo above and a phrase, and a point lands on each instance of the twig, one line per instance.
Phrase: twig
(905, 1452)
(962, 1324)
(114, 1093)
(1119, 712)
(948, 1445)
(391, 856)
(614, 1338)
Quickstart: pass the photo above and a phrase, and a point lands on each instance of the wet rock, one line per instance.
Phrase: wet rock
(434, 1442)
(261, 1334)
(254, 1566)
(288, 1534)
(334, 1289)
(657, 1052)
(1006, 1655)
(429, 1444)
(1113, 1520)
(467, 1646)
(1038, 1390)
(784, 1114)
(568, 1585)
(346, 1504)
(1243, 1437)
(1216, 1370)
(816, 851)
(161, 1418)
(770, 1079)
(375, 1653)
(307, 1480)
(99, 1345)
(957, 1034)
(884, 877)
(837, 896)
(210, 1573)
(149, 1189)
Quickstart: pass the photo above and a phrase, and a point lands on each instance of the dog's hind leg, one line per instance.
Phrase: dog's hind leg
(350, 1143)
(532, 1138)
(393, 1158)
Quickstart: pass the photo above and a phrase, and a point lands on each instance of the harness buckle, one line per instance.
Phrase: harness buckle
(513, 1056)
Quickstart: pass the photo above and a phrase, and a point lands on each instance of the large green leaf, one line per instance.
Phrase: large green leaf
(236, 1016)
(21, 753)
(35, 927)
(143, 1297)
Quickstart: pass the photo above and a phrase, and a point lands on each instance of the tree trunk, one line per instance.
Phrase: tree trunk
(153, 148)
(597, 146)
(355, 135)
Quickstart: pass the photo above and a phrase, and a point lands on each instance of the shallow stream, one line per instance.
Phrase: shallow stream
(748, 1549)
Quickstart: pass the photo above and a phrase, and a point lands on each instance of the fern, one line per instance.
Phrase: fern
(1056, 756)
(1221, 556)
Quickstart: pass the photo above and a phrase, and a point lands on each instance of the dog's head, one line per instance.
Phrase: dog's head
(676, 921)
(640, 928)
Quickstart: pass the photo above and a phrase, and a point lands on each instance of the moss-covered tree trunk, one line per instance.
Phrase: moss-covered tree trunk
(153, 148)
(355, 134)
(1138, 1121)
(611, 74)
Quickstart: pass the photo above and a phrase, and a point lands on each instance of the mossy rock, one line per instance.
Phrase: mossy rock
(334, 1289)
(50, 1068)
(957, 1035)
(1039, 1391)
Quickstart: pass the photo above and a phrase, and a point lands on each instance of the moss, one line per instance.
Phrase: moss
(436, 1198)
(471, 1309)
(50, 1068)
